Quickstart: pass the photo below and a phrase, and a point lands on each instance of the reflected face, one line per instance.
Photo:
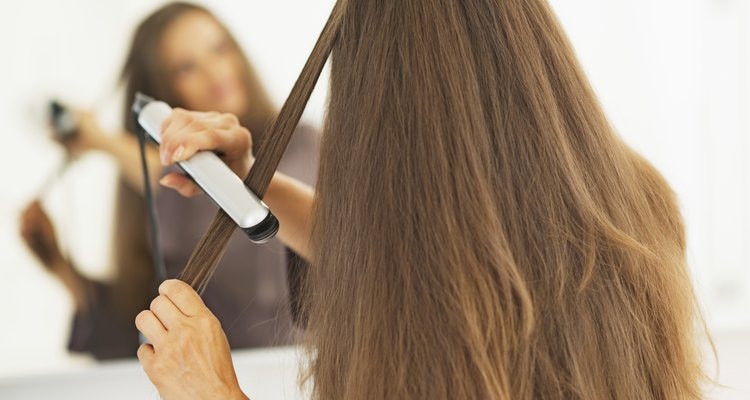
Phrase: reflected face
(205, 69)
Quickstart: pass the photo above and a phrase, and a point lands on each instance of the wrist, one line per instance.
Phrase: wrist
(235, 393)
(99, 142)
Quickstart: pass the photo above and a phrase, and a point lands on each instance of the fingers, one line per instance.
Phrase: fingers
(186, 132)
(183, 297)
(175, 122)
(189, 140)
(167, 313)
(181, 117)
(193, 361)
(181, 183)
(148, 358)
(146, 354)
(151, 327)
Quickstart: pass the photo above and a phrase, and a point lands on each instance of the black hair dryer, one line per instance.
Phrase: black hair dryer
(63, 122)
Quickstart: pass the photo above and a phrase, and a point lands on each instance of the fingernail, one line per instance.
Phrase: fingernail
(177, 156)
(165, 181)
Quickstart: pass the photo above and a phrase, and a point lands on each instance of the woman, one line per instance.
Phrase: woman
(183, 55)
(478, 230)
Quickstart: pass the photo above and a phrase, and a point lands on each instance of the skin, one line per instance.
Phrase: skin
(177, 364)
(205, 71)
(183, 332)
(37, 231)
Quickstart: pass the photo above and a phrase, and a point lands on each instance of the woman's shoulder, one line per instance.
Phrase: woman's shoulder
(300, 159)
(306, 132)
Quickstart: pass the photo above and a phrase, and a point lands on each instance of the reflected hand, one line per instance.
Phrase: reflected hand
(188, 356)
(89, 134)
(185, 133)
(39, 235)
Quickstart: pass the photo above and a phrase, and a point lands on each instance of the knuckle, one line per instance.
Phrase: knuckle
(196, 125)
(188, 191)
(195, 190)
(156, 303)
(175, 288)
(232, 118)
(166, 135)
(141, 317)
(171, 286)
(245, 134)
(206, 321)
(242, 137)
(180, 341)
(142, 351)
(168, 141)
(180, 114)
(213, 138)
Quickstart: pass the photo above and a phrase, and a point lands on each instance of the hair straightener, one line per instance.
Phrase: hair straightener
(214, 177)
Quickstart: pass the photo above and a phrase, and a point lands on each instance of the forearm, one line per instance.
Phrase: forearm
(291, 202)
(125, 149)
(77, 284)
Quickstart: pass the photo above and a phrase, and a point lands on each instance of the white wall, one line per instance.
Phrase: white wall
(674, 76)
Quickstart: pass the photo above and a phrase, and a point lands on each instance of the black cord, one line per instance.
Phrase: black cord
(156, 250)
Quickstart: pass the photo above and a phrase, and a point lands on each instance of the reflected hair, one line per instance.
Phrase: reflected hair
(480, 231)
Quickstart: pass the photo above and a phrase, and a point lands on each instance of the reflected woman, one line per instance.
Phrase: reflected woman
(182, 54)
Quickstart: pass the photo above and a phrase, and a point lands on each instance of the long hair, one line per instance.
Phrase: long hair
(144, 71)
(480, 231)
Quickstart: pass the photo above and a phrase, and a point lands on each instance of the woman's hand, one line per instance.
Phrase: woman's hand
(89, 134)
(39, 235)
(186, 132)
(188, 356)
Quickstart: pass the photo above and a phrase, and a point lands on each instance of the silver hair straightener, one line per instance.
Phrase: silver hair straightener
(214, 177)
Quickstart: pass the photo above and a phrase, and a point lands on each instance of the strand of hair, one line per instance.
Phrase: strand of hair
(205, 257)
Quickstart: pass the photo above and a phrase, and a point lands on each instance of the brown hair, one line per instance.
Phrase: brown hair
(144, 72)
(480, 231)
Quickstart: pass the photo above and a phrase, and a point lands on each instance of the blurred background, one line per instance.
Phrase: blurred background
(673, 76)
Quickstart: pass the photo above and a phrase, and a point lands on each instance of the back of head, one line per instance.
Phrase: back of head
(480, 231)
